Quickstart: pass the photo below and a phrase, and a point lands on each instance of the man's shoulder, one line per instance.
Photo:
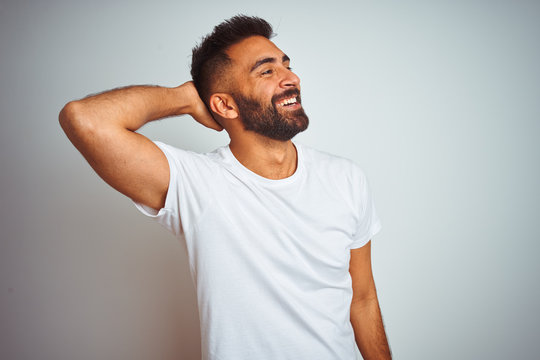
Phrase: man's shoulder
(179, 154)
(327, 161)
(338, 175)
(192, 162)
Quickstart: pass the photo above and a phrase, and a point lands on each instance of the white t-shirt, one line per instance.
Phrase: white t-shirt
(270, 258)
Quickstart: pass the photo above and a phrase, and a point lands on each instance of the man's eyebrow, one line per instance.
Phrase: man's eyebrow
(268, 60)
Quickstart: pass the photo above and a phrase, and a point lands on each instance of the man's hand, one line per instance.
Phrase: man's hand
(197, 108)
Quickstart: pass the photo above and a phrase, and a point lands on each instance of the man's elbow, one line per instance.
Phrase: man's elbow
(67, 115)
(73, 121)
(365, 298)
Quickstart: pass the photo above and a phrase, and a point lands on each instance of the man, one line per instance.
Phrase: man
(278, 234)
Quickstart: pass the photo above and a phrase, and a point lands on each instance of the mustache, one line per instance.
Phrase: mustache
(286, 94)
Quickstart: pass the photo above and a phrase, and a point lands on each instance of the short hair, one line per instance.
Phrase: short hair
(209, 58)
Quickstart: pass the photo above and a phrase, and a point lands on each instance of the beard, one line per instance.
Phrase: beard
(268, 121)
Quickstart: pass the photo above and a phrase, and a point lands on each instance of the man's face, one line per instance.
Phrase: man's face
(267, 92)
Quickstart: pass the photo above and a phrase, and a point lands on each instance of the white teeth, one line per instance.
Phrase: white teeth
(288, 101)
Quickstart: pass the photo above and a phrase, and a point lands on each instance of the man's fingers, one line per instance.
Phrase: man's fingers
(214, 125)
(198, 109)
(207, 120)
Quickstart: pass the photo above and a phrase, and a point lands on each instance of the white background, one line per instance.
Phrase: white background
(438, 101)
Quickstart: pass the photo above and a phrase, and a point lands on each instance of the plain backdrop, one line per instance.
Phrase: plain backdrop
(438, 102)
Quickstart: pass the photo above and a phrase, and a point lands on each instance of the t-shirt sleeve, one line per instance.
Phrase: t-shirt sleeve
(368, 222)
(184, 201)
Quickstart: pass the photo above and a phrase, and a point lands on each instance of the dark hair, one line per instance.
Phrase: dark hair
(210, 59)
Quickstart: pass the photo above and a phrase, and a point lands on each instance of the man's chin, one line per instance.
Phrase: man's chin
(298, 116)
(300, 119)
(286, 131)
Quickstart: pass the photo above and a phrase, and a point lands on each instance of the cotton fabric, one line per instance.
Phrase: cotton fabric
(269, 258)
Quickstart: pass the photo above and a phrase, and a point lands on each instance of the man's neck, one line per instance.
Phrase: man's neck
(266, 157)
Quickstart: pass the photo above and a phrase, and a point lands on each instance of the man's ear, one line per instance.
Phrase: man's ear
(223, 105)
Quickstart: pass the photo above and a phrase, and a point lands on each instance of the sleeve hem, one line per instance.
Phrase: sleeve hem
(149, 211)
(358, 243)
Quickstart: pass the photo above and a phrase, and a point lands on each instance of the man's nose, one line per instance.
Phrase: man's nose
(289, 79)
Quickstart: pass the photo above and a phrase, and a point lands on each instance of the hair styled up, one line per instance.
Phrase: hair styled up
(210, 60)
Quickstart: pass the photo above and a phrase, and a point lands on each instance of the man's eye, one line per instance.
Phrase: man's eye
(267, 72)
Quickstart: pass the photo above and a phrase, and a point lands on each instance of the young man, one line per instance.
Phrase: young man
(278, 234)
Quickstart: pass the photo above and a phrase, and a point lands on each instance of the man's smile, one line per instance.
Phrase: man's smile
(289, 102)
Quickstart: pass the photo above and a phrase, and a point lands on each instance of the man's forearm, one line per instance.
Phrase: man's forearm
(369, 331)
(129, 107)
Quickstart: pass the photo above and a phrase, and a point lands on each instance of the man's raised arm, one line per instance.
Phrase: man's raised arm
(102, 127)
